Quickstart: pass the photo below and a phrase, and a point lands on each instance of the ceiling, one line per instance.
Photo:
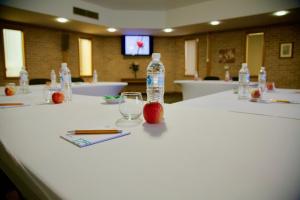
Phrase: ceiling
(144, 4)
(28, 17)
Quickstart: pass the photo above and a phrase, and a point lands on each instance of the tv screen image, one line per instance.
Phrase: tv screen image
(137, 45)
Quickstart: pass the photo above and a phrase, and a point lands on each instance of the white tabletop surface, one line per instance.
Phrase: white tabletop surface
(36, 95)
(197, 153)
(228, 101)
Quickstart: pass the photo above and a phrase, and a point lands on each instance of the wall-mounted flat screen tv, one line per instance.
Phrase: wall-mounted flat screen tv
(137, 45)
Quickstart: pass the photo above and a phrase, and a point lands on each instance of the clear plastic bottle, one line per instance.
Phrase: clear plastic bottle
(227, 76)
(65, 81)
(24, 83)
(53, 78)
(262, 78)
(244, 79)
(95, 77)
(196, 76)
(155, 80)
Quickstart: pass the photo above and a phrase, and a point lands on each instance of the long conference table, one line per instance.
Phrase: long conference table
(206, 148)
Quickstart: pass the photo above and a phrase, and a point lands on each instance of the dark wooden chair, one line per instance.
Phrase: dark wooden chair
(77, 79)
(38, 81)
(210, 78)
(235, 78)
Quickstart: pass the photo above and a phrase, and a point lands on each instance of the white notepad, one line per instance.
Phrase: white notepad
(87, 140)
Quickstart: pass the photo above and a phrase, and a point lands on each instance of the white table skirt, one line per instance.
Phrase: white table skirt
(98, 89)
(195, 154)
(192, 89)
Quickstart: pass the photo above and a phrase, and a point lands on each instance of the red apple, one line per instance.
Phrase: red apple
(255, 93)
(58, 97)
(140, 44)
(10, 91)
(270, 86)
(153, 112)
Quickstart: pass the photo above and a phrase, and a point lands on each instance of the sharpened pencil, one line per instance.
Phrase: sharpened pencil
(11, 104)
(102, 131)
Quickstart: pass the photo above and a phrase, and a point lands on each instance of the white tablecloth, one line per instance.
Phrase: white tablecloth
(195, 154)
(192, 89)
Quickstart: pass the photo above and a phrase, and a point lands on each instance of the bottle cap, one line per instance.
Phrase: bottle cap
(156, 56)
(244, 65)
(64, 65)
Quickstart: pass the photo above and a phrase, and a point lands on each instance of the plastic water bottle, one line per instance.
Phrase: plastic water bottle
(61, 75)
(227, 76)
(155, 80)
(95, 77)
(53, 79)
(262, 78)
(196, 76)
(244, 79)
(24, 86)
(65, 81)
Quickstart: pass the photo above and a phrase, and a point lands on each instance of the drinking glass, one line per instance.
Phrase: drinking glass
(256, 94)
(270, 86)
(131, 106)
(47, 93)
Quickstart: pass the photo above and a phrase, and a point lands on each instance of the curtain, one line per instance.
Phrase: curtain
(190, 57)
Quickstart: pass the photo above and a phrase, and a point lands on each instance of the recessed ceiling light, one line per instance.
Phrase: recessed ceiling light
(168, 30)
(62, 19)
(214, 23)
(281, 13)
(111, 30)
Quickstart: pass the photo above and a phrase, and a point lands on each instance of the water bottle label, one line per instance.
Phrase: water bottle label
(149, 81)
(161, 80)
(155, 80)
(262, 77)
(23, 77)
(244, 78)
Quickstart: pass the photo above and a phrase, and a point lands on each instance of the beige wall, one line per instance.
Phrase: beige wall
(43, 53)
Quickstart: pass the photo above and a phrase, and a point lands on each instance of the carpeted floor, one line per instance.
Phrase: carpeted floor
(173, 97)
(8, 190)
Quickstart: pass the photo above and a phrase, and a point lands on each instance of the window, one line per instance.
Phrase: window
(85, 57)
(254, 52)
(191, 56)
(13, 52)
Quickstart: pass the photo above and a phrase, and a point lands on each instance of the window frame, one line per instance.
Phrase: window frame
(92, 56)
(16, 28)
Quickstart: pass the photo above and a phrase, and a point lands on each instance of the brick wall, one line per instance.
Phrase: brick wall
(43, 53)
(284, 71)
